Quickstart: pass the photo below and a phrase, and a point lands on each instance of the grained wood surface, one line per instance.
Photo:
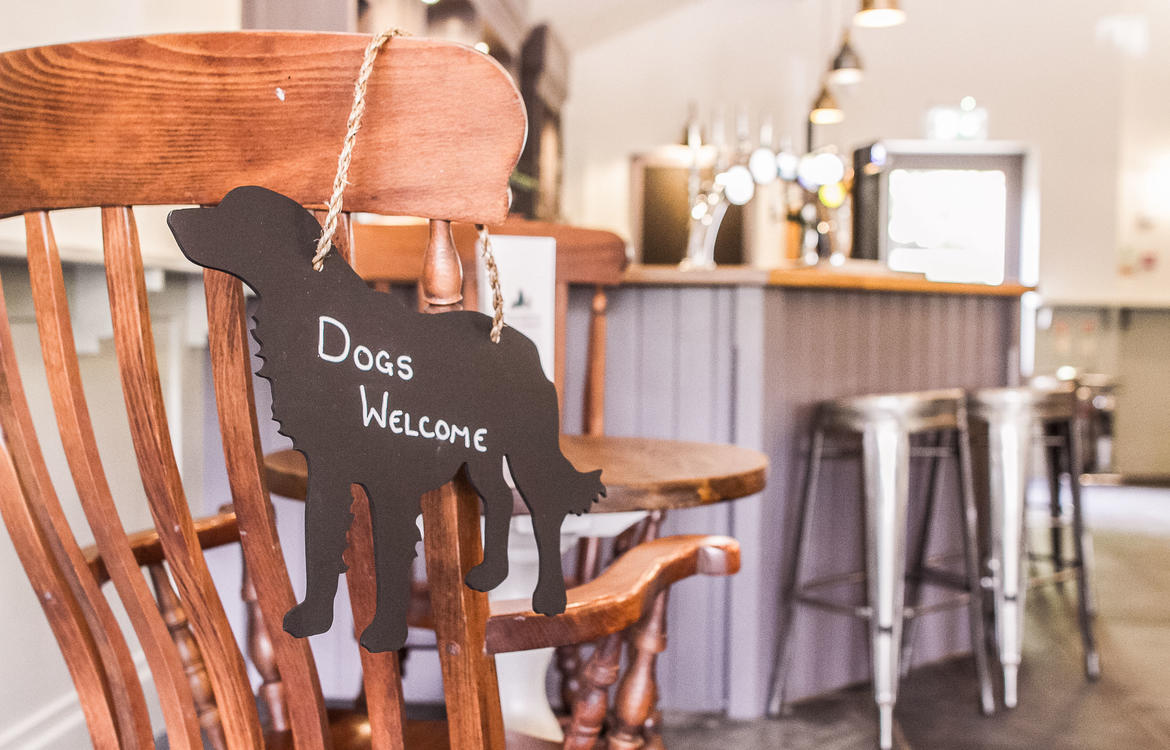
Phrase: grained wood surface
(639, 473)
(391, 252)
(381, 673)
(232, 371)
(91, 642)
(81, 450)
(185, 118)
(615, 599)
(213, 531)
(452, 545)
(182, 119)
(190, 657)
(138, 367)
(47, 575)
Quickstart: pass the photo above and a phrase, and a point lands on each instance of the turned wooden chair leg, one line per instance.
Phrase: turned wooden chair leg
(189, 653)
(568, 657)
(637, 696)
(592, 704)
(260, 651)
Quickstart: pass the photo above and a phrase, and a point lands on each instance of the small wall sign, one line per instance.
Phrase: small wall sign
(376, 394)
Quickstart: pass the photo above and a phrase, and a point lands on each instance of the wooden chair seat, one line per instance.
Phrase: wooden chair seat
(639, 473)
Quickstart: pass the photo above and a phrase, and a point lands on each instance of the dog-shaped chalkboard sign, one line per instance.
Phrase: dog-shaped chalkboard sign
(375, 394)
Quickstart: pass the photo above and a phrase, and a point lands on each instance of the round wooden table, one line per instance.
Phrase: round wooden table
(639, 475)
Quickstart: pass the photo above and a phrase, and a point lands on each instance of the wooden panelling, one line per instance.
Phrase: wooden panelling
(744, 364)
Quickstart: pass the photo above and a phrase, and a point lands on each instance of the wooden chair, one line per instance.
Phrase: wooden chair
(183, 119)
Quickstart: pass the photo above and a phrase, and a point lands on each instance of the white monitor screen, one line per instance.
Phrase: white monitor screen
(949, 224)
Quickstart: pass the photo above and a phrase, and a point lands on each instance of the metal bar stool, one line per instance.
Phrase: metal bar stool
(885, 425)
(1012, 416)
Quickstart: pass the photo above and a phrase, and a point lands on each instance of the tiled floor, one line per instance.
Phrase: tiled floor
(1129, 709)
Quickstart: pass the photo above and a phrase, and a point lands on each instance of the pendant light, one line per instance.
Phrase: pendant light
(846, 67)
(825, 110)
(878, 13)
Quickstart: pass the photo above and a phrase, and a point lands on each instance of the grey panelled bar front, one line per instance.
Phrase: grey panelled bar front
(741, 356)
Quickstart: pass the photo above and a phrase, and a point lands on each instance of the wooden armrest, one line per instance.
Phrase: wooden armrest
(213, 531)
(614, 600)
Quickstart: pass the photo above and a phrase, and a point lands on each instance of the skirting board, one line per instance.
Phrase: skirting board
(59, 724)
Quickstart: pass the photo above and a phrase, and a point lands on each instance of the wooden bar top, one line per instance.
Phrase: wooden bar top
(863, 275)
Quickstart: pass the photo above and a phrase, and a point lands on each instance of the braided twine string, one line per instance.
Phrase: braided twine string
(489, 262)
(325, 243)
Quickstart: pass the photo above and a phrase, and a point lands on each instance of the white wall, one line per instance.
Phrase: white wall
(1144, 195)
(54, 21)
(1037, 66)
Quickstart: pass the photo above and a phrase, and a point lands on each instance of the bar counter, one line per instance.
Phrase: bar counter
(740, 355)
(852, 275)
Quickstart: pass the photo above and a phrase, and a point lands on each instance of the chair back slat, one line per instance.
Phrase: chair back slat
(82, 655)
(593, 409)
(184, 118)
(231, 366)
(93, 646)
(138, 367)
(452, 546)
(381, 672)
(77, 436)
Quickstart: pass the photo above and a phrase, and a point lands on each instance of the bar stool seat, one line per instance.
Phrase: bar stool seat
(885, 424)
(1018, 419)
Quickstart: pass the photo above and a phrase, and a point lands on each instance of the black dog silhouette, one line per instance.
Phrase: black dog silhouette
(375, 394)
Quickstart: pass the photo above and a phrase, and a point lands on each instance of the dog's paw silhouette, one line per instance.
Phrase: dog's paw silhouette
(308, 618)
(383, 635)
(549, 599)
(485, 578)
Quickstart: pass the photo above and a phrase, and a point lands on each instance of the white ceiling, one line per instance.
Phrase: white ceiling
(581, 23)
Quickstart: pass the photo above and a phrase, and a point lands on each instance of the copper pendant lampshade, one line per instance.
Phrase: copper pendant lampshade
(846, 68)
(879, 13)
(825, 110)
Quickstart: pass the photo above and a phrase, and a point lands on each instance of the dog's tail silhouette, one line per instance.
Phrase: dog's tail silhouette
(549, 474)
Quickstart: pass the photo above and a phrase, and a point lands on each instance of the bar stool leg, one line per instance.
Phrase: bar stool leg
(788, 588)
(1084, 597)
(1052, 454)
(886, 462)
(971, 561)
(1009, 440)
(918, 560)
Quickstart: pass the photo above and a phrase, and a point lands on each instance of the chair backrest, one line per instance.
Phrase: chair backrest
(184, 119)
(385, 254)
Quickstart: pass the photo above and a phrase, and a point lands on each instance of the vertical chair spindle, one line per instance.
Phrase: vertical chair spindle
(440, 287)
(63, 373)
(231, 364)
(176, 620)
(90, 639)
(271, 692)
(592, 704)
(141, 386)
